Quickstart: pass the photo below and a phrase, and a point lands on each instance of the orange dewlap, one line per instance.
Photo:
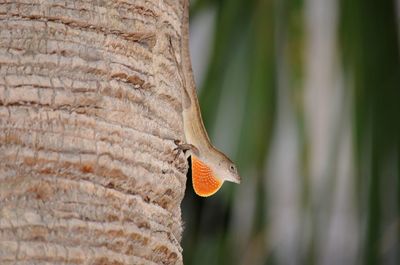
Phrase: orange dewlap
(204, 182)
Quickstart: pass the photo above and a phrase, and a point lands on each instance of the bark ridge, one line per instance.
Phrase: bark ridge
(89, 106)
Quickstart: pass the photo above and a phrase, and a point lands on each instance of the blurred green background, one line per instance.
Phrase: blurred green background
(305, 96)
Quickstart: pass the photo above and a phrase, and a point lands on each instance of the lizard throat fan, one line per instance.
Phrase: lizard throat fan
(204, 182)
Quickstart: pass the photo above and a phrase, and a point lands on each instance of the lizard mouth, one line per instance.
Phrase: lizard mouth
(235, 179)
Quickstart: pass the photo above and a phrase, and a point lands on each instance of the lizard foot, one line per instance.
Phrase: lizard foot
(186, 147)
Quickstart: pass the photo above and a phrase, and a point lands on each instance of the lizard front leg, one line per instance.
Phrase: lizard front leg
(184, 147)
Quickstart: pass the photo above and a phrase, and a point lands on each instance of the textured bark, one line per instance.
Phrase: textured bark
(89, 105)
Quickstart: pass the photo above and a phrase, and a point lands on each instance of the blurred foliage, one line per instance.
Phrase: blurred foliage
(257, 46)
(369, 32)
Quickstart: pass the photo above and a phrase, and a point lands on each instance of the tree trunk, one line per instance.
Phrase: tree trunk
(89, 105)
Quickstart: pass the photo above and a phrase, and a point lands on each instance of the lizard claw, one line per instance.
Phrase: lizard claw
(185, 147)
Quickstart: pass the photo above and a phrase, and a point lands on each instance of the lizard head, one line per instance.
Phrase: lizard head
(226, 170)
(208, 177)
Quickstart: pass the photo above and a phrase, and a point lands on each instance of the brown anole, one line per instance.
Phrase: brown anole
(210, 167)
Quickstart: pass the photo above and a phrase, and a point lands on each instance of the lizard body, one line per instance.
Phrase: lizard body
(210, 167)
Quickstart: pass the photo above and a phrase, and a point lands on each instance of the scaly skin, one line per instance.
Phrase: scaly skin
(208, 160)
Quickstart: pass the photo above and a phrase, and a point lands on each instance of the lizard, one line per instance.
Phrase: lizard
(210, 167)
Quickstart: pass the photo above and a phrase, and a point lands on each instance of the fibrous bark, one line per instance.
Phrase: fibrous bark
(90, 105)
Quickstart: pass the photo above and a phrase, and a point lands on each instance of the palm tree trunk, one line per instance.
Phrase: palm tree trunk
(89, 105)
